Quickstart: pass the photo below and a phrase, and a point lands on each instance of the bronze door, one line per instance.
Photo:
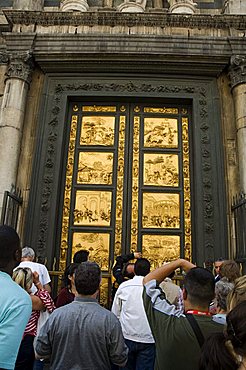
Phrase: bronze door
(127, 183)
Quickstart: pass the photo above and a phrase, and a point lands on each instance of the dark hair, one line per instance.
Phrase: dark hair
(125, 271)
(216, 353)
(236, 328)
(142, 267)
(199, 284)
(87, 278)
(80, 256)
(69, 271)
(9, 244)
(230, 270)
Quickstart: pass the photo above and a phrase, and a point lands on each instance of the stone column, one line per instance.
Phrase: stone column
(237, 75)
(12, 118)
(37, 5)
(182, 6)
(137, 6)
(74, 5)
(234, 7)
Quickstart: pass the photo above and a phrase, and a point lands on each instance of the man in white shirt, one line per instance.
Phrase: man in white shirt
(128, 307)
(27, 258)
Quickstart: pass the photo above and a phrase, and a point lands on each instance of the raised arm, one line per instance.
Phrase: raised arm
(162, 272)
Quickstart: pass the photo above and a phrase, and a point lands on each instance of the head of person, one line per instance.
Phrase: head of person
(10, 250)
(237, 294)
(217, 265)
(87, 278)
(142, 267)
(27, 254)
(69, 274)
(236, 328)
(128, 270)
(230, 271)
(198, 288)
(81, 256)
(222, 350)
(222, 289)
(23, 276)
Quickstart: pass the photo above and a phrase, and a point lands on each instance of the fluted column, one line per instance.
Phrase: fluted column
(12, 117)
(74, 5)
(182, 6)
(237, 75)
(37, 5)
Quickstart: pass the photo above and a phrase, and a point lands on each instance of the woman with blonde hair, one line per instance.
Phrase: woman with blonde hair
(238, 293)
(41, 300)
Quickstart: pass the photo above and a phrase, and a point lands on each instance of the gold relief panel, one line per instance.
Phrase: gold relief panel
(96, 243)
(97, 130)
(98, 108)
(92, 208)
(161, 210)
(160, 248)
(160, 132)
(161, 110)
(95, 168)
(161, 169)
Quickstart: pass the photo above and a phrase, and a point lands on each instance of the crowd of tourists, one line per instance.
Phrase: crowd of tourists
(153, 324)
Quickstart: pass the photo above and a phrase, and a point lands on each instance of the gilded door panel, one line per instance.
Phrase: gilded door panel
(95, 168)
(160, 132)
(161, 210)
(98, 244)
(97, 130)
(92, 208)
(161, 169)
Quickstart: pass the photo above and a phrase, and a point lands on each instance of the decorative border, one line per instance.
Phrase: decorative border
(67, 194)
(120, 182)
(186, 187)
(130, 88)
(135, 179)
(113, 18)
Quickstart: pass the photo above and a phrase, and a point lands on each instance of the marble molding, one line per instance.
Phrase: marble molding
(182, 6)
(74, 5)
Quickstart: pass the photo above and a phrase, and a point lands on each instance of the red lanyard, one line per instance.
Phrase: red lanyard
(202, 313)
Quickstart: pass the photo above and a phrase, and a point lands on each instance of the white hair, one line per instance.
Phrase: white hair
(27, 252)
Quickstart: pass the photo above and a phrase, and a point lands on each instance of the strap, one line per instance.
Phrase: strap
(196, 328)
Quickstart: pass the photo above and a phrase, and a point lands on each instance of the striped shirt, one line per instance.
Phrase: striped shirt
(31, 328)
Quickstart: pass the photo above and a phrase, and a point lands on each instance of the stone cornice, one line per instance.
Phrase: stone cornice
(113, 18)
(237, 71)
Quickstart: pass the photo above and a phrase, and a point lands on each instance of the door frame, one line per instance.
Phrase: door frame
(209, 228)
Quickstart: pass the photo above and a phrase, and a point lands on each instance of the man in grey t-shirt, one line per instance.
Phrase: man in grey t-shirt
(82, 334)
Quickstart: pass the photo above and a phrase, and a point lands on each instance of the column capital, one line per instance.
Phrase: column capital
(4, 58)
(20, 66)
(237, 70)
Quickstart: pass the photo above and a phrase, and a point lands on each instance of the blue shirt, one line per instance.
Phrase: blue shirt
(15, 311)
